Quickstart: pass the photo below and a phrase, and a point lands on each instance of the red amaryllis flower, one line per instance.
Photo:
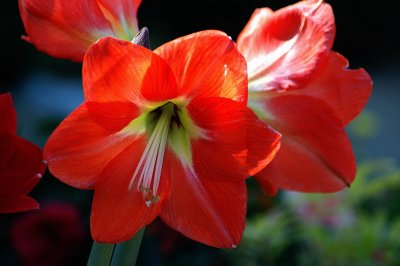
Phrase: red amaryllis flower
(65, 29)
(164, 133)
(52, 236)
(21, 164)
(305, 91)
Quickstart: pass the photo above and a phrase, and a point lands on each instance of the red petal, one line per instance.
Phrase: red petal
(283, 49)
(205, 210)
(21, 167)
(344, 90)
(229, 152)
(82, 145)
(65, 29)
(116, 70)
(17, 203)
(8, 115)
(112, 116)
(315, 153)
(118, 213)
(207, 64)
(263, 144)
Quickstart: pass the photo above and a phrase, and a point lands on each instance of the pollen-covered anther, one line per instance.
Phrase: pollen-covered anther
(148, 196)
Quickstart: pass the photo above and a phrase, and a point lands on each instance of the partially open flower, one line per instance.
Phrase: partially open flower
(305, 91)
(65, 29)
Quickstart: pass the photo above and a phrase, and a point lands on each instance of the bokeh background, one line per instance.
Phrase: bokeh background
(359, 226)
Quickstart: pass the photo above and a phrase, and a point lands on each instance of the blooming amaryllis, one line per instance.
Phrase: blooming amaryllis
(305, 91)
(165, 133)
(21, 163)
(65, 29)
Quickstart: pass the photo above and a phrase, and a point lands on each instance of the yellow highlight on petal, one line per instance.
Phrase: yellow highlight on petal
(120, 27)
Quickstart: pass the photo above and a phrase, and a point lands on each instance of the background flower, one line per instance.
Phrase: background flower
(298, 86)
(51, 236)
(65, 29)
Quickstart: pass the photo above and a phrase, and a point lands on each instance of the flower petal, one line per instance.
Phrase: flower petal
(65, 29)
(82, 145)
(284, 48)
(8, 115)
(229, 151)
(345, 90)
(263, 144)
(122, 15)
(115, 70)
(205, 210)
(17, 203)
(207, 64)
(117, 212)
(21, 167)
(315, 153)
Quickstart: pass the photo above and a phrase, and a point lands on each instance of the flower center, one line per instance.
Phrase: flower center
(166, 124)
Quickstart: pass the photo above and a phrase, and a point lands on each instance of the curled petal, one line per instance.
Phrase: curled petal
(207, 64)
(65, 29)
(345, 90)
(115, 70)
(283, 49)
(89, 138)
(315, 153)
(263, 144)
(237, 143)
(208, 211)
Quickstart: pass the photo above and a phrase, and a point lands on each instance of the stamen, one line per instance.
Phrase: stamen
(151, 161)
(160, 156)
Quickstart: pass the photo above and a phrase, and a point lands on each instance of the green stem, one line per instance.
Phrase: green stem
(101, 254)
(126, 253)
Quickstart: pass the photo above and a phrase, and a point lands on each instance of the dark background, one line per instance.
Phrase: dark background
(45, 87)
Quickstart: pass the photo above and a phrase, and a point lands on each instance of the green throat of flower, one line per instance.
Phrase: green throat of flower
(166, 124)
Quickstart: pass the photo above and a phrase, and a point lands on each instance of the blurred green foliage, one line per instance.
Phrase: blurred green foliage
(358, 226)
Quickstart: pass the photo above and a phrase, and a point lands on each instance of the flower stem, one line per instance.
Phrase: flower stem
(101, 254)
(126, 253)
